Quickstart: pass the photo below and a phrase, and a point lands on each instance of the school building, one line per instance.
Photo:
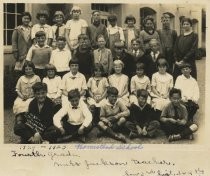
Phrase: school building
(176, 11)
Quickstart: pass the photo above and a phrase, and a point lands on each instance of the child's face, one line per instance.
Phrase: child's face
(118, 68)
(142, 101)
(186, 71)
(74, 68)
(130, 23)
(41, 40)
(42, 19)
(51, 73)
(96, 16)
(112, 98)
(59, 19)
(118, 50)
(29, 71)
(135, 45)
(162, 69)
(97, 73)
(76, 14)
(139, 72)
(175, 99)
(26, 20)
(84, 43)
(40, 96)
(154, 46)
(61, 44)
(74, 101)
(101, 42)
(113, 23)
(186, 25)
(149, 25)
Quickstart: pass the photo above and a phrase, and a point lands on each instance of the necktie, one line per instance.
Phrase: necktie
(57, 32)
(97, 82)
(74, 107)
(176, 114)
(154, 57)
(73, 77)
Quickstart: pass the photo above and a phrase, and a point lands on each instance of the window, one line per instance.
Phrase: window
(12, 19)
(100, 7)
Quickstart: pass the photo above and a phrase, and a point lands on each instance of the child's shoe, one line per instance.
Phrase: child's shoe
(174, 137)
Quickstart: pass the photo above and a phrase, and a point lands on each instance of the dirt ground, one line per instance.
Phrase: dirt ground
(10, 137)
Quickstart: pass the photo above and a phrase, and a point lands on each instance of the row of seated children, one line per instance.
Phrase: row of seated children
(74, 120)
(74, 79)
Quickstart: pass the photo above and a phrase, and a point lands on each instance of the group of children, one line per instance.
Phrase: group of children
(123, 86)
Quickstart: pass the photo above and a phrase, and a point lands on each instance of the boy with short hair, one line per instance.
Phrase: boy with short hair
(37, 126)
(190, 90)
(79, 117)
(113, 115)
(141, 117)
(42, 16)
(61, 57)
(73, 80)
(39, 54)
(174, 118)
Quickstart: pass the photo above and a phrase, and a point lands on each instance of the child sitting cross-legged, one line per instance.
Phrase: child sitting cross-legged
(113, 115)
(174, 118)
(141, 121)
(78, 121)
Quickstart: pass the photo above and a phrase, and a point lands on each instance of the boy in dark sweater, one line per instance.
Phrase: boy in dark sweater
(37, 126)
(141, 118)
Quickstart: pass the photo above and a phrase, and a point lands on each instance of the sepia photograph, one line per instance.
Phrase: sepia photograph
(104, 73)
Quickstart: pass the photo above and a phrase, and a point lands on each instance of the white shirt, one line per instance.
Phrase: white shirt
(189, 88)
(53, 86)
(112, 30)
(60, 59)
(78, 116)
(131, 35)
(46, 28)
(70, 82)
(75, 27)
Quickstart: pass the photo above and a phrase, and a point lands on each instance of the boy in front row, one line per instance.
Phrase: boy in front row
(37, 125)
(174, 118)
(113, 115)
(141, 121)
(79, 118)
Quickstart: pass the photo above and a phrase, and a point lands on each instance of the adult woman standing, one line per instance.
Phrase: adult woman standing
(185, 48)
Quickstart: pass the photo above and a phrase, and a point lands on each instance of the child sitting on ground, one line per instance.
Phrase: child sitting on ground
(37, 125)
(141, 117)
(174, 119)
(79, 118)
(190, 90)
(113, 115)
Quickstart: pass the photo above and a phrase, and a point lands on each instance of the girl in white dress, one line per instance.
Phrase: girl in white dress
(53, 84)
(162, 82)
(24, 88)
(97, 86)
(120, 81)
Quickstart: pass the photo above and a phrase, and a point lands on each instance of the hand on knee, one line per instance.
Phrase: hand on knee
(121, 121)
(81, 130)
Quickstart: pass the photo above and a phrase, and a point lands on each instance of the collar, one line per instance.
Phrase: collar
(43, 26)
(137, 104)
(28, 80)
(187, 33)
(73, 76)
(109, 104)
(185, 78)
(58, 50)
(24, 28)
(115, 27)
(45, 46)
